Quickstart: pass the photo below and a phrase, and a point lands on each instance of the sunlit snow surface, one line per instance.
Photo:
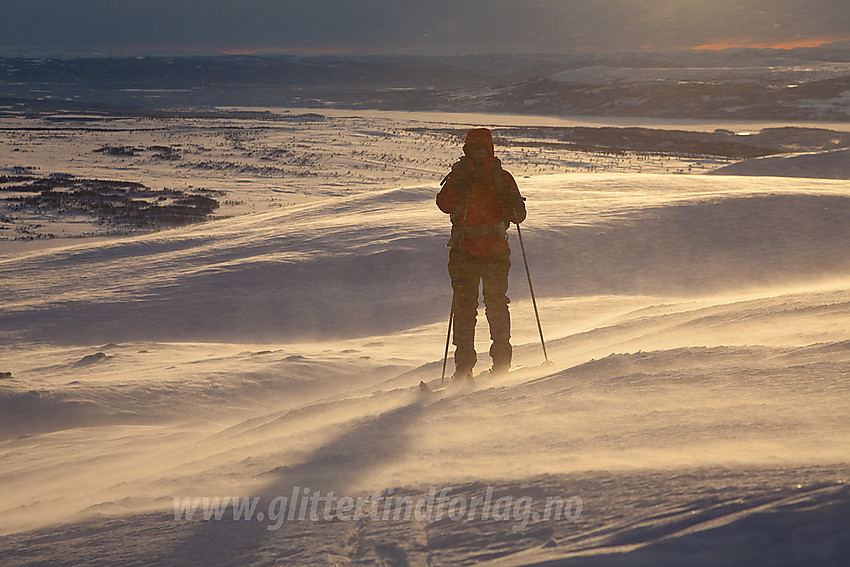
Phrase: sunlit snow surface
(698, 403)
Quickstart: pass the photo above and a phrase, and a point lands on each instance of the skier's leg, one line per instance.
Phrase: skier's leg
(495, 287)
(465, 285)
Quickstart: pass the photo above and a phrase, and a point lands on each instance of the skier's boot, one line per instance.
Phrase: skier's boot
(499, 370)
(501, 352)
(465, 359)
(463, 377)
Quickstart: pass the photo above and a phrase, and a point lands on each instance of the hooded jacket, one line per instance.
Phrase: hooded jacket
(482, 197)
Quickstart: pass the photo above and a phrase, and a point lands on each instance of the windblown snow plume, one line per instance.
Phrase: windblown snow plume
(244, 391)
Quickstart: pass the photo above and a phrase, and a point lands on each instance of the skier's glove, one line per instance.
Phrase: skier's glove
(512, 201)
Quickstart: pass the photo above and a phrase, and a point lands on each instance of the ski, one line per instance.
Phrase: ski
(424, 387)
(450, 385)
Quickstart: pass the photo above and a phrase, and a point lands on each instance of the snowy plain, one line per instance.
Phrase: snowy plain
(698, 406)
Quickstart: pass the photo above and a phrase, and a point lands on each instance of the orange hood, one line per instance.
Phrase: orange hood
(480, 136)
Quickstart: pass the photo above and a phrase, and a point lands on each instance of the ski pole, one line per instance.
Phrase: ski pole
(454, 280)
(546, 362)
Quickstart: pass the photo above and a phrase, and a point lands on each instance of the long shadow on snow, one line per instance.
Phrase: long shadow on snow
(337, 466)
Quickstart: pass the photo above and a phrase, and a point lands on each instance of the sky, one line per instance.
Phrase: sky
(57, 27)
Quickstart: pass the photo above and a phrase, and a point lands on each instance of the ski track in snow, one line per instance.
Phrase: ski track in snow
(698, 404)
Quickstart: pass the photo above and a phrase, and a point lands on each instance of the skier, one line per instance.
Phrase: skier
(482, 199)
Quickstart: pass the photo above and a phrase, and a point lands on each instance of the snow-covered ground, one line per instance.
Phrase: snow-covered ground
(823, 165)
(696, 412)
(789, 71)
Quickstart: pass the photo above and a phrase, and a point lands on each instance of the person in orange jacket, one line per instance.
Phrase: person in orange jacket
(482, 199)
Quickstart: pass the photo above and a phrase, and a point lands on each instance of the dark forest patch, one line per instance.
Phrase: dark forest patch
(120, 204)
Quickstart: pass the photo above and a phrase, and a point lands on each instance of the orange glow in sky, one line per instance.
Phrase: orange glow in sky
(790, 44)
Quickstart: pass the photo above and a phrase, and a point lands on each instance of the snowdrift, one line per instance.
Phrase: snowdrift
(698, 406)
(375, 263)
(821, 165)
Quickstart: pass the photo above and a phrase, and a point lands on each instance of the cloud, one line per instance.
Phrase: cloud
(743, 42)
(413, 26)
